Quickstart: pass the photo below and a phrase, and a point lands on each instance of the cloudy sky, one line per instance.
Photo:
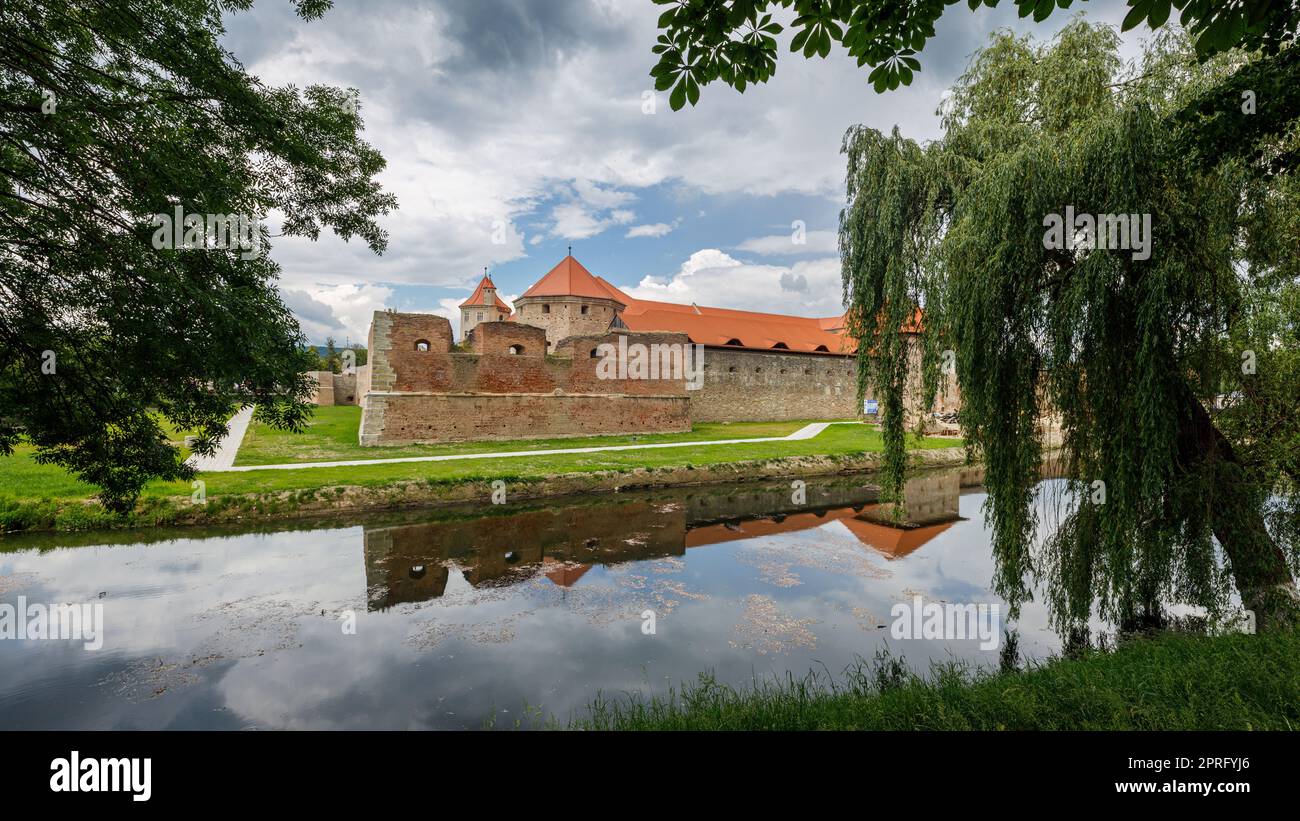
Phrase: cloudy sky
(516, 128)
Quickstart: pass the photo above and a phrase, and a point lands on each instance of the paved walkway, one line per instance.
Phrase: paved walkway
(806, 432)
(224, 458)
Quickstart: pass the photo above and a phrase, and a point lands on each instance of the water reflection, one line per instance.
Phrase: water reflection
(412, 563)
(460, 612)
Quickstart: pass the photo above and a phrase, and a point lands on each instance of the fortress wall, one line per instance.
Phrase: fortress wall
(415, 418)
(435, 395)
(761, 386)
(324, 391)
(590, 366)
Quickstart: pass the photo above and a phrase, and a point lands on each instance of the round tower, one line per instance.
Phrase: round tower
(568, 301)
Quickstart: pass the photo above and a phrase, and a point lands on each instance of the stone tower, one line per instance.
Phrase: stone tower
(483, 306)
(568, 301)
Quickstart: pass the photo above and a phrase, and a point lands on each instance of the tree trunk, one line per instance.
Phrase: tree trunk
(1259, 567)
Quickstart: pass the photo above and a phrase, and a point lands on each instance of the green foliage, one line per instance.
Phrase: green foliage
(1131, 353)
(115, 112)
(735, 40)
(1169, 682)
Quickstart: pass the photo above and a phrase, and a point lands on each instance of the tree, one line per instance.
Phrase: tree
(1133, 340)
(136, 160)
(735, 40)
(332, 360)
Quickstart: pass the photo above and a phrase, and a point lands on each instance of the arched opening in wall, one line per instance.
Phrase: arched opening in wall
(758, 370)
(584, 309)
(422, 344)
(732, 369)
(515, 350)
(822, 348)
(546, 309)
(783, 370)
(735, 342)
(782, 346)
(807, 371)
(593, 353)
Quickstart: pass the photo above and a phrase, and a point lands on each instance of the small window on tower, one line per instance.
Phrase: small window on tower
(584, 309)
(422, 345)
(546, 309)
(516, 350)
(480, 316)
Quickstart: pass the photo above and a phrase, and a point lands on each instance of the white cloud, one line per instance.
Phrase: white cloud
(486, 110)
(712, 277)
(656, 229)
(814, 242)
(601, 197)
(576, 221)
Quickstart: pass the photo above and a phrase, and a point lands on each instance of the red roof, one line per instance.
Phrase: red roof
(730, 328)
(718, 327)
(478, 298)
(893, 542)
(568, 278)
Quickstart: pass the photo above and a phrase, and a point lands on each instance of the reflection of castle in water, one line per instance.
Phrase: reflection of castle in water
(410, 563)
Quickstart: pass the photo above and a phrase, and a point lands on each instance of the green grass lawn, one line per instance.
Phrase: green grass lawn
(332, 436)
(22, 480)
(1171, 682)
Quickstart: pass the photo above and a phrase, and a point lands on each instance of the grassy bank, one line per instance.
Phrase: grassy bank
(1172, 682)
(331, 436)
(43, 497)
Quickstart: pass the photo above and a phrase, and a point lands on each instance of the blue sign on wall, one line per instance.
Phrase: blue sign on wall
(869, 407)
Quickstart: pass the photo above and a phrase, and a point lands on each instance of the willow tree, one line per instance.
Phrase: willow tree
(1133, 349)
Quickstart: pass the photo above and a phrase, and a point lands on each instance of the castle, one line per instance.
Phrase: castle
(545, 369)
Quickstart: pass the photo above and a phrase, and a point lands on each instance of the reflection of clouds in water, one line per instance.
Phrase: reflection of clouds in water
(830, 548)
(245, 632)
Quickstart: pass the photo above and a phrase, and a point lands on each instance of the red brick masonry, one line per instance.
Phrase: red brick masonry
(505, 387)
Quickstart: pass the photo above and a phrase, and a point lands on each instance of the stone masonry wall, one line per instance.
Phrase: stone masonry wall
(565, 317)
(323, 394)
(334, 388)
(758, 386)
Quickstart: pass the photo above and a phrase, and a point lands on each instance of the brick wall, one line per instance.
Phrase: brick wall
(500, 337)
(592, 365)
(412, 418)
(435, 395)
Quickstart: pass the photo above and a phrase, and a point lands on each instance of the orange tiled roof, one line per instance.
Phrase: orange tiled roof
(567, 574)
(738, 329)
(477, 298)
(892, 542)
(568, 278)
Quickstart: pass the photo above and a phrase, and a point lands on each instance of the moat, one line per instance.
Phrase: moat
(461, 617)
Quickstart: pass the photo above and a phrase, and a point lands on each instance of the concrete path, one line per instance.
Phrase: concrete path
(806, 432)
(224, 458)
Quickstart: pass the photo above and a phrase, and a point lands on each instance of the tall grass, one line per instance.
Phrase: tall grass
(1171, 682)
